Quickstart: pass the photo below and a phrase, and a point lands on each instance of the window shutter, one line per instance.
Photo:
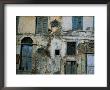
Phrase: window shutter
(45, 25)
(39, 25)
(77, 22)
(42, 24)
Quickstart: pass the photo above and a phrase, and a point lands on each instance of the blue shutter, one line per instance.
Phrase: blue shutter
(77, 22)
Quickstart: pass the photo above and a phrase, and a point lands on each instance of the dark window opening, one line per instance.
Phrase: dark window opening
(27, 40)
(71, 48)
(91, 44)
(57, 52)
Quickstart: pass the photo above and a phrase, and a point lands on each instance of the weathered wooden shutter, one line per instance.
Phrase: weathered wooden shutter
(77, 22)
(42, 24)
(39, 24)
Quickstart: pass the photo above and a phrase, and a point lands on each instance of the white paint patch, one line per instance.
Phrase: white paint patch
(66, 23)
(88, 23)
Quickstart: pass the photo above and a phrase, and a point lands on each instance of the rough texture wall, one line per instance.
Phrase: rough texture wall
(44, 60)
(18, 48)
(55, 45)
(26, 24)
(88, 23)
(52, 18)
(66, 23)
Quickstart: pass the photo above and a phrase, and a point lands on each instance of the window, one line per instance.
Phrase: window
(57, 52)
(71, 48)
(91, 44)
(77, 22)
(71, 67)
(42, 24)
(90, 63)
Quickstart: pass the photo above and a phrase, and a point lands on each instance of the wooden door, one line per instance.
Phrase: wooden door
(71, 67)
(26, 58)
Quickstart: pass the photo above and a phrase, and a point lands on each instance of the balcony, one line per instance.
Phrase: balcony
(85, 34)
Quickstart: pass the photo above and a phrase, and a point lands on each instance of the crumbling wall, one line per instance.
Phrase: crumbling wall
(44, 60)
(88, 23)
(66, 23)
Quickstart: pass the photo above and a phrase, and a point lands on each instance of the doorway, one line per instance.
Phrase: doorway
(26, 55)
(71, 67)
(90, 63)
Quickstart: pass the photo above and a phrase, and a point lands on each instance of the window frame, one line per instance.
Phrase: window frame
(76, 18)
(74, 53)
(37, 31)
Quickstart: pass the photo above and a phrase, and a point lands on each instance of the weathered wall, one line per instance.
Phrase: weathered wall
(66, 23)
(44, 60)
(26, 24)
(52, 18)
(88, 22)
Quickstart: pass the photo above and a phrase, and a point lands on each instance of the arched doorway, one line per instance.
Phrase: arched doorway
(26, 55)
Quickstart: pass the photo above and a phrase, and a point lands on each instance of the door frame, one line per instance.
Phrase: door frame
(75, 68)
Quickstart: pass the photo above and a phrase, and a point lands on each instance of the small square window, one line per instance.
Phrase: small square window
(57, 52)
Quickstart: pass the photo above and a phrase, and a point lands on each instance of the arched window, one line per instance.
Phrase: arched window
(26, 55)
(26, 40)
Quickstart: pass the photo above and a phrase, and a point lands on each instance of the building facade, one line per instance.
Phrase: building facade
(55, 44)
